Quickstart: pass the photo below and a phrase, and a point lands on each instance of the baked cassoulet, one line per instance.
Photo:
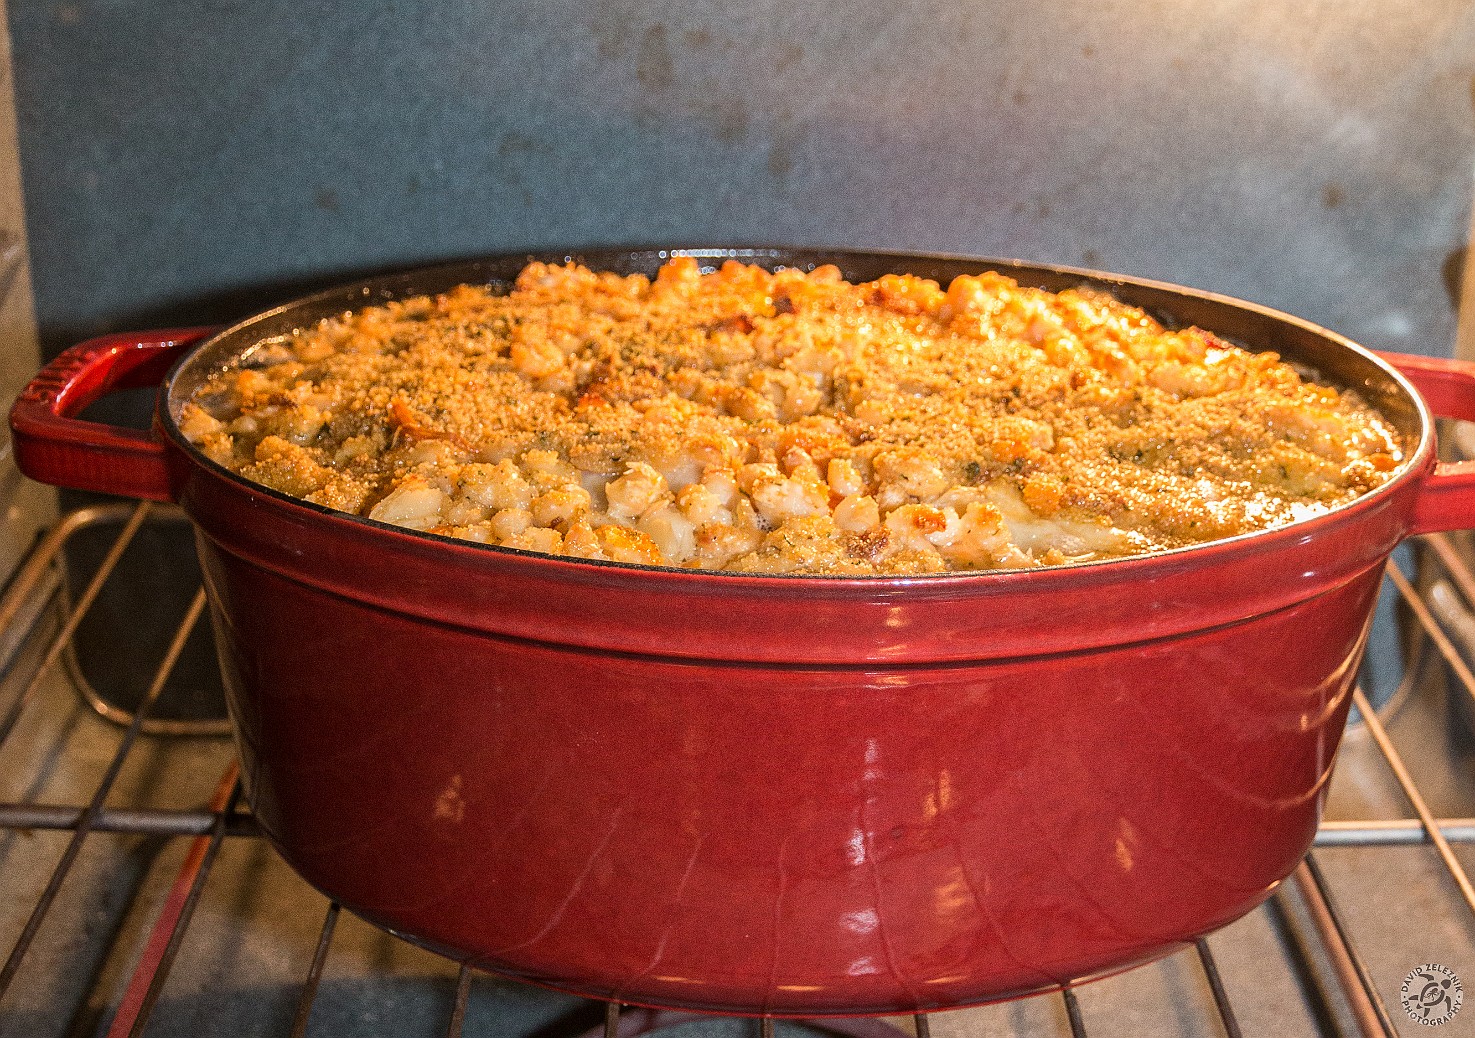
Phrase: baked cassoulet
(789, 422)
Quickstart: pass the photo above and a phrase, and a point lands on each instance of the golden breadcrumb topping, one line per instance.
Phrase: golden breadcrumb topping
(789, 422)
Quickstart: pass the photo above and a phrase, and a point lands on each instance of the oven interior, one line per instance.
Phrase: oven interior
(174, 164)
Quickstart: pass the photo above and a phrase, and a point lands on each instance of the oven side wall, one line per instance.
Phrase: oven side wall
(26, 505)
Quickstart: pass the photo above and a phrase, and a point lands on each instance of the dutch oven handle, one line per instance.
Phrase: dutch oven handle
(53, 446)
(1446, 500)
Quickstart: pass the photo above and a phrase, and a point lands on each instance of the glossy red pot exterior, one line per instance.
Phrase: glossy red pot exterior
(778, 795)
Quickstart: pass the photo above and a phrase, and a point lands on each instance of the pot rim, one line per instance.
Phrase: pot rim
(1416, 461)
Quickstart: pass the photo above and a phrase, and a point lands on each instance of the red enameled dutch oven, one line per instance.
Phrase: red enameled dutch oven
(774, 795)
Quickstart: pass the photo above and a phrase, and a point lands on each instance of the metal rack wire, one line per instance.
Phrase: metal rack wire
(225, 817)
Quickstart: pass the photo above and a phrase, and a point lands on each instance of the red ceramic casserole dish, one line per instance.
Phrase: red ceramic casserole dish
(774, 795)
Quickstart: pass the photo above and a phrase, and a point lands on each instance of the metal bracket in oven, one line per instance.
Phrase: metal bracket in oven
(46, 573)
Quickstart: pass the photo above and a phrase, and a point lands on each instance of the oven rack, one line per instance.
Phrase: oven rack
(37, 626)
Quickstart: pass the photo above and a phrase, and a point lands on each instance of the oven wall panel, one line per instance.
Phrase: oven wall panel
(190, 162)
(25, 506)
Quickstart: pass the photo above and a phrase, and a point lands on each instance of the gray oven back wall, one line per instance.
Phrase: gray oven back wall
(190, 162)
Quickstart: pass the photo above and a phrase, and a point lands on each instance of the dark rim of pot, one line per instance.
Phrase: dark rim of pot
(1325, 355)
